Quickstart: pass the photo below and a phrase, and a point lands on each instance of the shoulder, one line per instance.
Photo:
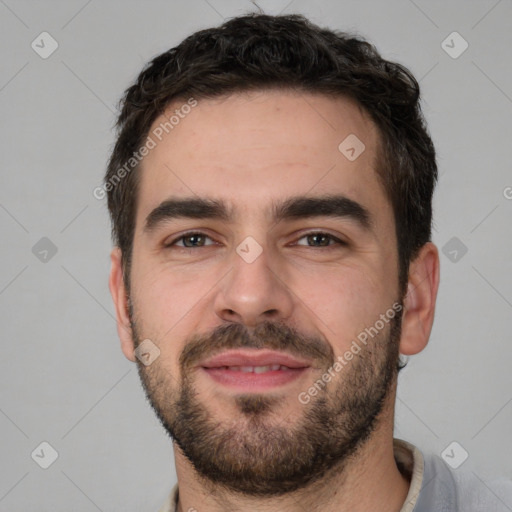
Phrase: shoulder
(445, 489)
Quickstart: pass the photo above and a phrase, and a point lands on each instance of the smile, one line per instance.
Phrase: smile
(256, 369)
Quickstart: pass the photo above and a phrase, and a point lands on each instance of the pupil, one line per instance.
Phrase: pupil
(322, 239)
(193, 239)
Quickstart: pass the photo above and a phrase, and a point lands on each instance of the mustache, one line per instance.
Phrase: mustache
(269, 335)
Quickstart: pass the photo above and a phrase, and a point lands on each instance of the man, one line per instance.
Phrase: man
(270, 192)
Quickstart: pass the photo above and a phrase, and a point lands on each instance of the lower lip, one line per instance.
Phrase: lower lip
(249, 381)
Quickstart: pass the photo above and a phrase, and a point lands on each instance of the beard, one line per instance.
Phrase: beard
(253, 453)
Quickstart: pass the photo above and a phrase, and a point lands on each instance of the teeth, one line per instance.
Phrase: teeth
(261, 369)
(256, 369)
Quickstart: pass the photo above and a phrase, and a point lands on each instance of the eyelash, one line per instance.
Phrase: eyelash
(337, 241)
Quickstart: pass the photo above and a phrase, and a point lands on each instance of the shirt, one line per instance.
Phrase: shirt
(434, 487)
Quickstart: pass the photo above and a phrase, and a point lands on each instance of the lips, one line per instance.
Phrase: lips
(253, 370)
(255, 359)
(256, 369)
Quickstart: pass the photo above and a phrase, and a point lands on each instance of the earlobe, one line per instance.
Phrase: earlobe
(420, 300)
(119, 296)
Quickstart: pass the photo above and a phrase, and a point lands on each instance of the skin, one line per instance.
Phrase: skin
(251, 150)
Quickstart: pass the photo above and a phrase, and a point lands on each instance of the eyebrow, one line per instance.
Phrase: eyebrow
(299, 207)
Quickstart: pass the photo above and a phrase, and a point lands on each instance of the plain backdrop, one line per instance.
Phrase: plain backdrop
(63, 378)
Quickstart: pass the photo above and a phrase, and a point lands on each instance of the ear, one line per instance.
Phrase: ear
(119, 296)
(420, 300)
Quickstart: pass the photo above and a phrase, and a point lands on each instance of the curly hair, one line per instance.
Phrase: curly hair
(263, 52)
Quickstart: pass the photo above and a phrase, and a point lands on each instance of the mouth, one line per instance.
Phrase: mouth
(254, 370)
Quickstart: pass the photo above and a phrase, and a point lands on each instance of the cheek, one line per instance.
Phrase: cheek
(167, 303)
(165, 296)
(343, 301)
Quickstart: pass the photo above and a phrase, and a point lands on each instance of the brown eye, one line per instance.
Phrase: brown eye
(320, 239)
(190, 240)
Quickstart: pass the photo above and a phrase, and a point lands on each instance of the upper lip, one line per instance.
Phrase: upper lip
(255, 357)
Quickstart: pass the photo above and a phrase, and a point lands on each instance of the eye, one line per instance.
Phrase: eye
(195, 239)
(320, 239)
(190, 240)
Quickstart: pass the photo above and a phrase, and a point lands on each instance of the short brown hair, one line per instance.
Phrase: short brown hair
(258, 52)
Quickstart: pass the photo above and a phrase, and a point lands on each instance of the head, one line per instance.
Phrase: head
(297, 163)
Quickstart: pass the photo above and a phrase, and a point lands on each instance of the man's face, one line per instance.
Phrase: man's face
(273, 280)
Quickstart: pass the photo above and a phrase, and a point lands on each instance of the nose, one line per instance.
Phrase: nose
(254, 292)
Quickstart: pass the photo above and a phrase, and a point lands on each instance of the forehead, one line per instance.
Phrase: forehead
(252, 149)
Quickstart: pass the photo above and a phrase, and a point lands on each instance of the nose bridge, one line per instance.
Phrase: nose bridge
(252, 291)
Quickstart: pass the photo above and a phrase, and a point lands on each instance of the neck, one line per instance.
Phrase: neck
(370, 480)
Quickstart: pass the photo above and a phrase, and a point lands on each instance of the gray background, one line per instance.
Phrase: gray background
(63, 378)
